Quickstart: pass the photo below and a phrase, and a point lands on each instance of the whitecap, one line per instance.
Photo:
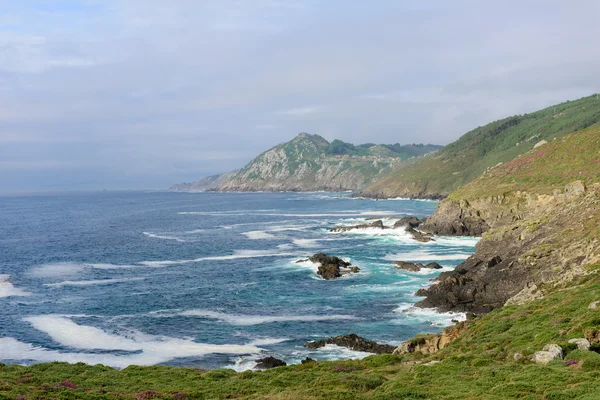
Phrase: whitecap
(428, 256)
(258, 235)
(92, 282)
(238, 254)
(414, 314)
(7, 289)
(306, 243)
(71, 268)
(248, 320)
(164, 237)
(149, 350)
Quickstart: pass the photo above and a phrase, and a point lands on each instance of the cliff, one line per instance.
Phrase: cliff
(439, 174)
(538, 215)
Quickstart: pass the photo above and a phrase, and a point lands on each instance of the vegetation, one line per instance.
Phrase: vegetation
(551, 166)
(338, 147)
(467, 158)
(478, 365)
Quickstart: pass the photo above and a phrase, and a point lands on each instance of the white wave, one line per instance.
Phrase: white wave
(457, 241)
(165, 237)
(307, 264)
(150, 349)
(306, 243)
(334, 352)
(238, 254)
(248, 320)
(345, 213)
(92, 283)
(414, 314)
(428, 256)
(72, 268)
(195, 231)
(267, 341)
(7, 289)
(258, 235)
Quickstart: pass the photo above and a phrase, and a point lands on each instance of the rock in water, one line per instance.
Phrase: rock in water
(415, 267)
(419, 236)
(411, 221)
(269, 362)
(373, 225)
(353, 342)
(332, 267)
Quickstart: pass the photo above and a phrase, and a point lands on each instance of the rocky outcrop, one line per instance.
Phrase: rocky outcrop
(372, 225)
(415, 267)
(269, 362)
(353, 342)
(550, 352)
(419, 236)
(332, 267)
(531, 239)
(455, 219)
(432, 343)
(411, 221)
(582, 343)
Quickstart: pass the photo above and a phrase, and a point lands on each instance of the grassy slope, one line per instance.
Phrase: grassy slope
(478, 365)
(462, 161)
(576, 156)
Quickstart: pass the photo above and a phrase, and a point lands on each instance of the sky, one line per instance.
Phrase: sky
(142, 94)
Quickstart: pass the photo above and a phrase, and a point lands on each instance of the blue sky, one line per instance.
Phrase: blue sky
(143, 94)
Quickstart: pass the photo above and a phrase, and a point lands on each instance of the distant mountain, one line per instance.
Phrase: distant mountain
(309, 162)
(460, 162)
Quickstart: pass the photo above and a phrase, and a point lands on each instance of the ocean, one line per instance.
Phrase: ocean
(208, 280)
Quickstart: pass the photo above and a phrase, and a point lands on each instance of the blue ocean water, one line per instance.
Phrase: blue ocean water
(205, 279)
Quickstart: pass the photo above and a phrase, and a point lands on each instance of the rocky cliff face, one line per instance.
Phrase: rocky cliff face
(311, 163)
(532, 239)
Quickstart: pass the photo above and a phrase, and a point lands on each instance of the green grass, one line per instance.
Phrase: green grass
(478, 365)
(549, 167)
(467, 158)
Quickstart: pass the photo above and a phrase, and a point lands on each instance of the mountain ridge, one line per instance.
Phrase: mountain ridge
(309, 162)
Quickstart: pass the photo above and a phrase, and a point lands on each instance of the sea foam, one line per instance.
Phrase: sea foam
(7, 289)
(248, 320)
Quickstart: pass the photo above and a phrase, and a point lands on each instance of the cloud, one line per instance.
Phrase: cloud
(134, 94)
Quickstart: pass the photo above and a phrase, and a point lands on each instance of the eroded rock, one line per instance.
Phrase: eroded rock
(354, 342)
(372, 225)
(332, 267)
(549, 352)
(582, 343)
(269, 362)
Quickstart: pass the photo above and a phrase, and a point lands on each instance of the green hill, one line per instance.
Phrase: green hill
(437, 175)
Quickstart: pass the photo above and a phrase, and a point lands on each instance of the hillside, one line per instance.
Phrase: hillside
(310, 163)
(539, 217)
(534, 281)
(437, 175)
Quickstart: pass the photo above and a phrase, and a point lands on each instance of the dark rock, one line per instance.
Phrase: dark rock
(433, 265)
(332, 267)
(269, 362)
(478, 285)
(324, 259)
(452, 219)
(407, 221)
(419, 236)
(408, 266)
(375, 224)
(302, 260)
(470, 316)
(353, 342)
(421, 293)
(329, 271)
(308, 360)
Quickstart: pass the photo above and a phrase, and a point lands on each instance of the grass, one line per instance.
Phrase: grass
(467, 158)
(478, 365)
(549, 167)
